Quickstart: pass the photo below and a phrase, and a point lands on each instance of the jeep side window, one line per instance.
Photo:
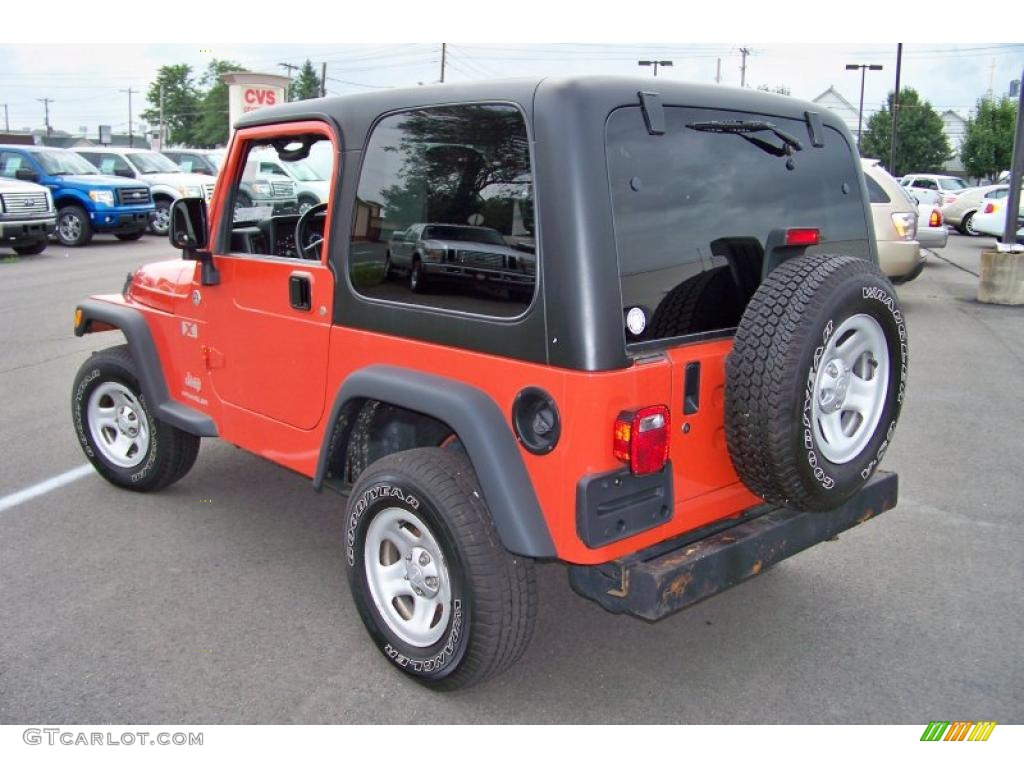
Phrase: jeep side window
(457, 180)
(266, 203)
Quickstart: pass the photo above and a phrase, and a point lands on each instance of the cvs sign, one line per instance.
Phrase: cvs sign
(255, 97)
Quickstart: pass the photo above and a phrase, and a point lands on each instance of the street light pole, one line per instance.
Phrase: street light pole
(655, 64)
(860, 112)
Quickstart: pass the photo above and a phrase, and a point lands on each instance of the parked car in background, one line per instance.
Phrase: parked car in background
(931, 227)
(895, 215)
(991, 216)
(263, 190)
(167, 181)
(960, 213)
(27, 216)
(310, 187)
(948, 186)
(202, 161)
(86, 200)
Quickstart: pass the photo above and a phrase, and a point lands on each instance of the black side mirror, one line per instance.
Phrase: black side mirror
(189, 231)
(26, 174)
(127, 173)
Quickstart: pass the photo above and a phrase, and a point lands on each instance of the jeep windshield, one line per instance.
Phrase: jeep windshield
(697, 209)
(65, 164)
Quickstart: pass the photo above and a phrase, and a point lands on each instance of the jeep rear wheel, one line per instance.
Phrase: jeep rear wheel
(815, 381)
(119, 433)
(439, 594)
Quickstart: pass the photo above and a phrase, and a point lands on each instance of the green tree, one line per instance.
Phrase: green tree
(988, 139)
(181, 102)
(212, 128)
(921, 145)
(306, 85)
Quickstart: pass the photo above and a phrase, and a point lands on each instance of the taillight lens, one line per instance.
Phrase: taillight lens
(803, 236)
(905, 225)
(990, 208)
(935, 220)
(642, 438)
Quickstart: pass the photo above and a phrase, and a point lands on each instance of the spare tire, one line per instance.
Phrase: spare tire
(815, 381)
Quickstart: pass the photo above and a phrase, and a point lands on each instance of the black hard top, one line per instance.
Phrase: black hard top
(354, 113)
(577, 323)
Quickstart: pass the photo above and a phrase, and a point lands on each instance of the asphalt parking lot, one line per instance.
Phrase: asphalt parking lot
(223, 600)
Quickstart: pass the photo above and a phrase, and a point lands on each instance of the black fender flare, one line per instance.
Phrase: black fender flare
(483, 431)
(151, 376)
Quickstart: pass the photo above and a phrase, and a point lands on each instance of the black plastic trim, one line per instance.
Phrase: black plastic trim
(615, 505)
(151, 376)
(482, 430)
(654, 112)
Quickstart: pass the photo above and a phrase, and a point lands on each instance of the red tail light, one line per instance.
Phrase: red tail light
(935, 220)
(642, 438)
(990, 208)
(803, 236)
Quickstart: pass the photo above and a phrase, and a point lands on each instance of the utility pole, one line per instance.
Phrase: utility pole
(895, 109)
(1016, 175)
(860, 112)
(7, 122)
(163, 138)
(444, 56)
(323, 79)
(655, 64)
(718, 71)
(744, 52)
(131, 134)
(289, 67)
(46, 104)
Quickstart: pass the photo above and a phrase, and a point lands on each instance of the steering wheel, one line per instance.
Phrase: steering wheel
(311, 249)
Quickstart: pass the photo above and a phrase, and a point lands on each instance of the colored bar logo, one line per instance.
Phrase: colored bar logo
(959, 730)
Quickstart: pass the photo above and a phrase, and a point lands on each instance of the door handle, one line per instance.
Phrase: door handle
(691, 389)
(300, 294)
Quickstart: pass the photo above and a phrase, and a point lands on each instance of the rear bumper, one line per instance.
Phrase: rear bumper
(932, 237)
(675, 574)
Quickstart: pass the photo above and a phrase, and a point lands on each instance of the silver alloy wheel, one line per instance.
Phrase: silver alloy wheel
(118, 424)
(70, 228)
(408, 576)
(969, 227)
(161, 220)
(850, 388)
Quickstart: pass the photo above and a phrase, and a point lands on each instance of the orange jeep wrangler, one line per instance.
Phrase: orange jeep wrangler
(633, 326)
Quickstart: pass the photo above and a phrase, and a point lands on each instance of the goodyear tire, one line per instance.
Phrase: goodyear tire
(440, 596)
(815, 381)
(117, 430)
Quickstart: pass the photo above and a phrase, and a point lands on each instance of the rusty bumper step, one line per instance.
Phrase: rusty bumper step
(654, 583)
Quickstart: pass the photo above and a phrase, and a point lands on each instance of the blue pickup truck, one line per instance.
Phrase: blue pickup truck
(86, 201)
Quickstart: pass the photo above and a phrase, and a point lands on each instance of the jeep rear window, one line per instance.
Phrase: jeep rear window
(694, 210)
(444, 211)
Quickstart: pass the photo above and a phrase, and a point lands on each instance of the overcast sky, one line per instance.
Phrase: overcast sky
(85, 81)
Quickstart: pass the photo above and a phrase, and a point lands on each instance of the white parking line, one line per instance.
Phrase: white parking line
(20, 497)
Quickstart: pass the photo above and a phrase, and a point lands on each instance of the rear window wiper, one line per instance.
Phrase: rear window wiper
(743, 128)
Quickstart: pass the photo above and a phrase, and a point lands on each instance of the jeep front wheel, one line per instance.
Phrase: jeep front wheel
(815, 381)
(118, 432)
(439, 594)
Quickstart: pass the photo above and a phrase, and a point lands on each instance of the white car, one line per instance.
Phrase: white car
(166, 180)
(310, 187)
(991, 217)
(960, 213)
(948, 187)
(931, 227)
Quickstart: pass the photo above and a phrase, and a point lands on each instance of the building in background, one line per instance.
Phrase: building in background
(955, 127)
(834, 101)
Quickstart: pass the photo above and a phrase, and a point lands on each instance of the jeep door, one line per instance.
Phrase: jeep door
(270, 316)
